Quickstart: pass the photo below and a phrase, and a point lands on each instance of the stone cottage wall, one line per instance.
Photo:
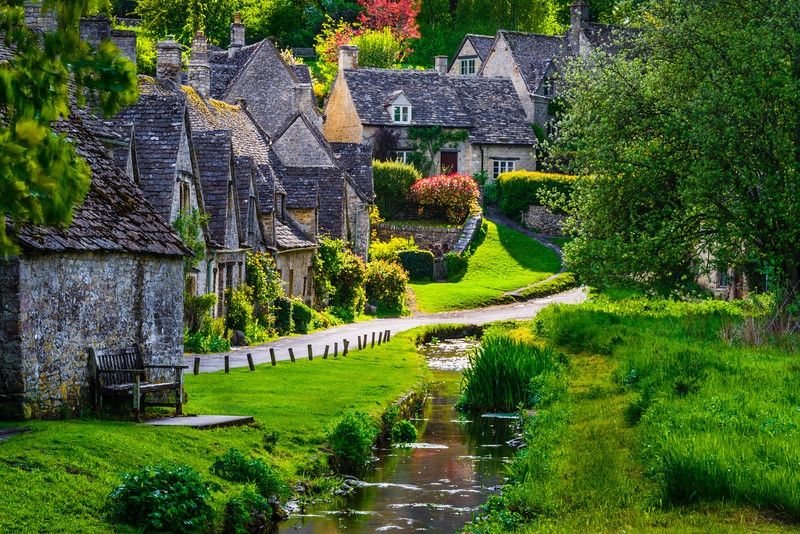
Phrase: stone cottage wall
(71, 301)
(298, 261)
(358, 224)
(11, 386)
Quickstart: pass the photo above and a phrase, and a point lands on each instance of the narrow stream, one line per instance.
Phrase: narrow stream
(434, 486)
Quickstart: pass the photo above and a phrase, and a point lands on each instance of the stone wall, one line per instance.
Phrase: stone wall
(295, 267)
(71, 301)
(358, 224)
(438, 239)
(543, 221)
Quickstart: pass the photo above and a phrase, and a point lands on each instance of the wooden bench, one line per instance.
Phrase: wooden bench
(122, 372)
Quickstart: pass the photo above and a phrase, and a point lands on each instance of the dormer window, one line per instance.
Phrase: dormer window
(548, 88)
(401, 114)
(467, 66)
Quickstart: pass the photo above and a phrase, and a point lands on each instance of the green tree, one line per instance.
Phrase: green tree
(41, 176)
(695, 148)
(427, 141)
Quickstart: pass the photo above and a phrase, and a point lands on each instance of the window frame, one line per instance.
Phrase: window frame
(398, 112)
(467, 66)
(499, 166)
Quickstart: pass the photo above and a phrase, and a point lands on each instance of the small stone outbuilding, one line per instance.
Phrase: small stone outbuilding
(113, 278)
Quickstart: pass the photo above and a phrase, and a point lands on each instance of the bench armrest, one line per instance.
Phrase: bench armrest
(120, 371)
(166, 366)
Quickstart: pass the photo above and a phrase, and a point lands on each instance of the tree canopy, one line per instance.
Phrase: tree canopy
(694, 146)
(41, 176)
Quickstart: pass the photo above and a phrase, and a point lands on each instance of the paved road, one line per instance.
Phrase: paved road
(318, 340)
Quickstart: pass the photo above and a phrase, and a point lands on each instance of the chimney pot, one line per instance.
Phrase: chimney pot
(440, 63)
(168, 61)
(237, 35)
(348, 57)
(199, 70)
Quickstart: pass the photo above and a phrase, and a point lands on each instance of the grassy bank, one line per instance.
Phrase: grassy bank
(505, 261)
(57, 476)
(657, 423)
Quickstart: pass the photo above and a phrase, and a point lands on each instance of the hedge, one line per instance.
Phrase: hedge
(519, 189)
(302, 317)
(392, 182)
(284, 323)
(418, 263)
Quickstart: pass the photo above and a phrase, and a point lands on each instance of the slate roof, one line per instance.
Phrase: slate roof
(533, 53)
(114, 216)
(242, 176)
(356, 160)
(288, 236)
(302, 189)
(482, 44)
(434, 100)
(303, 73)
(224, 68)
(611, 39)
(497, 114)
(212, 150)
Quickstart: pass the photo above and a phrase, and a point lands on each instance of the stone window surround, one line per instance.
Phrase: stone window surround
(467, 65)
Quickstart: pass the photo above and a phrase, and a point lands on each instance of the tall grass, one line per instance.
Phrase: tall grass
(500, 373)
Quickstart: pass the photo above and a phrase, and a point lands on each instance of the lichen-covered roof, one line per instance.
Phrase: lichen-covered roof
(213, 153)
(224, 68)
(482, 44)
(114, 216)
(533, 53)
(434, 100)
(303, 73)
(288, 236)
(497, 114)
(356, 160)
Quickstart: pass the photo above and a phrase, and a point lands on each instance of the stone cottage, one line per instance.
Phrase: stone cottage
(472, 52)
(113, 278)
(364, 101)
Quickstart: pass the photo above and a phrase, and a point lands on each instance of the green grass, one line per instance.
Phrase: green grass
(505, 261)
(560, 241)
(661, 426)
(57, 476)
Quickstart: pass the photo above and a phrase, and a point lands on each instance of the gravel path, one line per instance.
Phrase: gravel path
(318, 340)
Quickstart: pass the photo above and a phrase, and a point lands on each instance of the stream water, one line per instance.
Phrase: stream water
(436, 484)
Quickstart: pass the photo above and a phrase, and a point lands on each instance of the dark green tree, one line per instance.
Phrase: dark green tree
(41, 176)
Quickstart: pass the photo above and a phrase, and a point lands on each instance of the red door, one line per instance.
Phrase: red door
(449, 162)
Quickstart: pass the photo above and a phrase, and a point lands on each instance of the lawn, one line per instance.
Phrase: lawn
(57, 476)
(661, 426)
(505, 261)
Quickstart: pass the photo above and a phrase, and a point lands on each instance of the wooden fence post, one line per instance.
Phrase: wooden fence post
(364, 344)
(291, 354)
(358, 339)
(336, 350)
(310, 353)
(380, 337)
(197, 366)
(272, 357)
(345, 344)
(325, 356)
(250, 363)
(388, 335)
(227, 364)
(372, 346)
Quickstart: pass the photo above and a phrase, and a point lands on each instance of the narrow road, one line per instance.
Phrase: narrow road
(318, 340)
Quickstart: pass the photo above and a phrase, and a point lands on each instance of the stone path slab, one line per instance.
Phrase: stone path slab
(6, 433)
(203, 422)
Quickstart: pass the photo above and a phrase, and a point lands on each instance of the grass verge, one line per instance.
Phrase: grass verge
(656, 424)
(57, 476)
(505, 261)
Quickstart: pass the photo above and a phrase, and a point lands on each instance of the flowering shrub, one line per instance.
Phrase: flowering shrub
(450, 197)
(387, 250)
(386, 285)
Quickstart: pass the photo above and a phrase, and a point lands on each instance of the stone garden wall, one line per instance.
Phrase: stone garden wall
(437, 239)
(70, 301)
(543, 221)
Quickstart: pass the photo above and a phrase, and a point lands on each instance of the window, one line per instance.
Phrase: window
(499, 166)
(467, 66)
(402, 155)
(290, 293)
(184, 201)
(251, 220)
(401, 114)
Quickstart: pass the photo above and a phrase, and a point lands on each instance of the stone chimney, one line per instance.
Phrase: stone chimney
(199, 69)
(440, 63)
(303, 97)
(168, 61)
(348, 57)
(126, 42)
(579, 17)
(37, 20)
(95, 30)
(237, 35)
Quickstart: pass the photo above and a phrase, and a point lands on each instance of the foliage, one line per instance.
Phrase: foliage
(519, 189)
(500, 373)
(284, 318)
(335, 33)
(559, 283)
(351, 441)
(393, 181)
(385, 144)
(680, 167)
(235, 467)
(428, 141)
(239, 307)
(404, 432)
(210, 338)
(386, 284)
(396, 16)
(451, 198)
(378, 48)
(302, 317)
(246, 512)
(456, 264)
(263, 276)
(339, 278)
(190, 227)
(387, 250)
(197, 309)
(163, 498)
(417, 263)
(42, 178)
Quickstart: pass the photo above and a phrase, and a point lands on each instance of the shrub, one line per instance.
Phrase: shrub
(163, 498)
(284, 321)
(378, 48)
(302, 317)
(386, 285)
(239, 309)
(197, 309)
(404, 432)
(451, 198)
(418, 263)
(387, 250)
(456, 264)
(560, 282)
(210, 338)
(339, 278)
(351, 441)
(246, 512)
(393, 181)
(264, 278)
(519, 189)
(500, 372)
(235, 467)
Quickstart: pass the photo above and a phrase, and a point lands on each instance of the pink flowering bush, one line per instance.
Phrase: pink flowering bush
(452, 197)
